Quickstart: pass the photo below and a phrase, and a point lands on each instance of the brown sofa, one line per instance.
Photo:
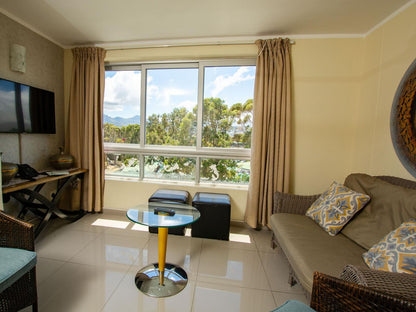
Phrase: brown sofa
(310, 249)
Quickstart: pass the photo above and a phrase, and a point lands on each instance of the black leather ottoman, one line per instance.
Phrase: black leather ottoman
(215, 212)
(166, 195)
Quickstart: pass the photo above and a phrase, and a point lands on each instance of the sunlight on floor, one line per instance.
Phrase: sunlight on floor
(240, 238)
(140, 227)
(111, 223)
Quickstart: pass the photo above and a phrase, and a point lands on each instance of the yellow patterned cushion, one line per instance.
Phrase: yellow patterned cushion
(335, 207)
(396, 252)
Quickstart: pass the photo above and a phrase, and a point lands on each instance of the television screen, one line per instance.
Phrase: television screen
(8, 115)
(26, 109)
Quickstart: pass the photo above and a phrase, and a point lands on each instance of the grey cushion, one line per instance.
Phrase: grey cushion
(390, 206)
(309, 248)
(14, 264)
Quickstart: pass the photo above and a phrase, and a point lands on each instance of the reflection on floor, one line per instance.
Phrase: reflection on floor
(90, 266)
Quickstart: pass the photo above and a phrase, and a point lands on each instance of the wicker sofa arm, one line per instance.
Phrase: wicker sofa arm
(398, 284)
(291, 203)
(331, 294)
(15, 233)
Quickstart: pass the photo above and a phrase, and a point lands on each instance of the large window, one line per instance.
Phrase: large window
(180, 121)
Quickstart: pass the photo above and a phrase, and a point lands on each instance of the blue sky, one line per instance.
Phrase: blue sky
(170, 88)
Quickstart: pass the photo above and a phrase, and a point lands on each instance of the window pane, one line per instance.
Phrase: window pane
(122, 107)
(170, 168)
(122, 165)
(228, 106)
(171, 101)
(225, 171)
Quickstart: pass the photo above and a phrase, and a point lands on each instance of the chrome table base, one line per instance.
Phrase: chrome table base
(148, 281)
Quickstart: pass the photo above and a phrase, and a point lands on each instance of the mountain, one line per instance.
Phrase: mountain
(120, 121)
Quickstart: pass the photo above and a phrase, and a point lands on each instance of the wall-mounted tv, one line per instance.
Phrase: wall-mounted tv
(26, 109)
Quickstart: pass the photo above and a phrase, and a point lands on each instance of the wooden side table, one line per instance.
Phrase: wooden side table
(38, 204)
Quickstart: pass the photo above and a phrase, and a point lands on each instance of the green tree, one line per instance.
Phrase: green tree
(222, 127)
(217, 121)
(242, 119)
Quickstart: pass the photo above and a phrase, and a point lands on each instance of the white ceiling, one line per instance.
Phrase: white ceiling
(114, 22)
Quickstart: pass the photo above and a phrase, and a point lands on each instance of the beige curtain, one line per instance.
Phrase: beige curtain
(270, 148)
(84, 138)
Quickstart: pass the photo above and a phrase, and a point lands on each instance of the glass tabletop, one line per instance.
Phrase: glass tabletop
(163, 214)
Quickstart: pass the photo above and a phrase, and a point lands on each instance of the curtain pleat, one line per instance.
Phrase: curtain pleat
(270, 148)
(84, 138)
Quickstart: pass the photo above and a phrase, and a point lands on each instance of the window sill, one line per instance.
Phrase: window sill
(176, 183)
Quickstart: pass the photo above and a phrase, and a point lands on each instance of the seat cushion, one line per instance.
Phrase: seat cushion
(170, 195)
(14, 264)
(390, 206)
(309, 248)
(293, 306)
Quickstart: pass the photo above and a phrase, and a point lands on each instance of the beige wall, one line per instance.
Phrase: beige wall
(44, 69)
(326, 92)
(123, 195)
(343, 91)
(182, 53)
(387, 53)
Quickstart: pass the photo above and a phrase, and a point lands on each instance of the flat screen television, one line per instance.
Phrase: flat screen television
(26, 109)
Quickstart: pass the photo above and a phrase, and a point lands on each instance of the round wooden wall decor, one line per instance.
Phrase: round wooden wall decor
(403, 120)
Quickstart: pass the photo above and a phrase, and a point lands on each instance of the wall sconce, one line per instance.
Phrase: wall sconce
(18, 58)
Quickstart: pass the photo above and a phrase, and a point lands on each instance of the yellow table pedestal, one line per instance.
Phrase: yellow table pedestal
(163, 239)
(161, 279)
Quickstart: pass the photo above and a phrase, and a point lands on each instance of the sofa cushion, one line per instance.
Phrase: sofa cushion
(14, 264)
(396, 252)
(309, 248)
(390, 206)
(335, 207)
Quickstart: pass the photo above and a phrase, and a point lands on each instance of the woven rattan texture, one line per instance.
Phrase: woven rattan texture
(330, 294)
(17, 234)
(291, 203)
(401, 285)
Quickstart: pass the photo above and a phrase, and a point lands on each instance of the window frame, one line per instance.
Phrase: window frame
(198, 151)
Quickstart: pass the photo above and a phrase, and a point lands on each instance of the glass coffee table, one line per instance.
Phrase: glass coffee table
(162, 279)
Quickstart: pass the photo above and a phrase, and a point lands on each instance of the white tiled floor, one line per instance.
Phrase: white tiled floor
(90, 265)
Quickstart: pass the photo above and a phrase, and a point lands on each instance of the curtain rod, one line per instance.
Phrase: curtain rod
(181, 42)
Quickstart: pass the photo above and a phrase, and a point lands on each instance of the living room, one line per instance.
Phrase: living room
(343, 89)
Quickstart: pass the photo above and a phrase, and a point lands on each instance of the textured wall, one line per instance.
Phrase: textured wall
(44, 69)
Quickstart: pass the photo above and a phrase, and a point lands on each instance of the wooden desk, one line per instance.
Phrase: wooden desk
(38, 204)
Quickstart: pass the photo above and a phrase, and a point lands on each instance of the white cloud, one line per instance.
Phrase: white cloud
(122, 92)
(222, 82)
(122, 95)
(189, 105)
(164, 97)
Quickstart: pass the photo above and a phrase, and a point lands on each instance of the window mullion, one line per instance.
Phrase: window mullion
(200, 107)
(198, 170)
(143, 107)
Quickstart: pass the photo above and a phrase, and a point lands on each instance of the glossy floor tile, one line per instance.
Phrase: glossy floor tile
(90, 265)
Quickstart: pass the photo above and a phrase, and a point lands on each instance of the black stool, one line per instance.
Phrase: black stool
(166, 195)
(215, 212)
